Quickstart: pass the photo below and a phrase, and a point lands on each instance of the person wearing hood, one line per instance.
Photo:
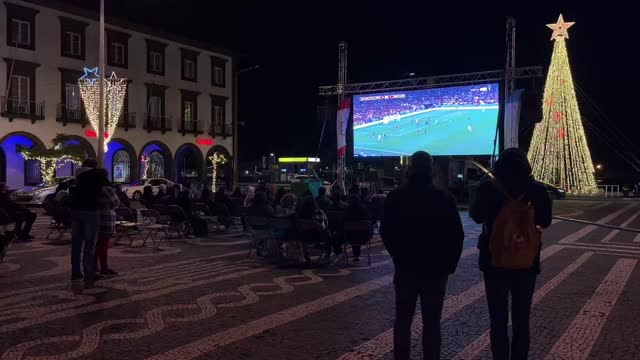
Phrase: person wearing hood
(423, 233)
(85, 211)
(513, 174)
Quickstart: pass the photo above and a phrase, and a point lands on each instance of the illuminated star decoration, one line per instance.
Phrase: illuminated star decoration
(90, 75)
(115, 91)
(560, 28)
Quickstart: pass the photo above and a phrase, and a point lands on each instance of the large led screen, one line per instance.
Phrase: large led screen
(457, 120)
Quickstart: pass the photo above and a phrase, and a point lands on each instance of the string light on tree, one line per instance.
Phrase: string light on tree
(559, 153)
(216, 160)
(115, 92)
(53, 158)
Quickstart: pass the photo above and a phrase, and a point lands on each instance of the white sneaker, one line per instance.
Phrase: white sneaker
(338, 260)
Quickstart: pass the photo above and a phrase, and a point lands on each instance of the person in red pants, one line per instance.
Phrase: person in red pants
(108, 202)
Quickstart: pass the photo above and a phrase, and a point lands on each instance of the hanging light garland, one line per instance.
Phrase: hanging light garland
(115, 92)
(53, 158)
(559, 153)
(216, 160)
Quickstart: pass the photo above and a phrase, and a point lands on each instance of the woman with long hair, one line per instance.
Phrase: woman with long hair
(513, 180)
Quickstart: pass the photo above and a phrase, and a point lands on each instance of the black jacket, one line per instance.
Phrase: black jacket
(87, 191)
(487, 205)
(422, 231)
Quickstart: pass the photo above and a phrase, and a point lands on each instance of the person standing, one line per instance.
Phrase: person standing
(423, 233)
(108, 202)
(513, 180)
(86, 219)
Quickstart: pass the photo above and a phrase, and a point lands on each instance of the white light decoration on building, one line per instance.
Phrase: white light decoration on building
(115, 92)
(216, 160)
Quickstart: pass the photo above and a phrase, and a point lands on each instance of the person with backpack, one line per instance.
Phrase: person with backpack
(513, 209)
(423, 233)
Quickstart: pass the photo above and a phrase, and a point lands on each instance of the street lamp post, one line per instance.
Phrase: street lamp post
(101, 71)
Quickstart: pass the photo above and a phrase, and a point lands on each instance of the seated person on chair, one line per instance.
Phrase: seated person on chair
(23, 217)
(355, 211)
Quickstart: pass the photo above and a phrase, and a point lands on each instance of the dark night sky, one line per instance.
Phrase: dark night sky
(296, 48)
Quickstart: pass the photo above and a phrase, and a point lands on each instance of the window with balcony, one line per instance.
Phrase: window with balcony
(18, 98)
(218, 115)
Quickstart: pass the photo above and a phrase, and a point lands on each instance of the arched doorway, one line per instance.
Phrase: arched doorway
(69, 169)
(158, 161)
(121, 162)
(189, 164)
(18, 172)
(224, 172)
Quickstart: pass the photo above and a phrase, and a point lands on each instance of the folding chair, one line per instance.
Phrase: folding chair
(126, 225)
(358, 233)
(258, 229)
(62, 222)
(151, 223)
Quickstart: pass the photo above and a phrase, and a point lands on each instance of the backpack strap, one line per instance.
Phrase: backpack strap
(502, 190)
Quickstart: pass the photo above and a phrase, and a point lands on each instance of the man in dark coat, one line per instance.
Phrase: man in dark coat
(423, 233)
(85, 211)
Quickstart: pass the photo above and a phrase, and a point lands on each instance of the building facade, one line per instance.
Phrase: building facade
(177, 111)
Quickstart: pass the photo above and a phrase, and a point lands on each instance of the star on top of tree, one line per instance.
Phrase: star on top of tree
(90, 75)
(560, 28)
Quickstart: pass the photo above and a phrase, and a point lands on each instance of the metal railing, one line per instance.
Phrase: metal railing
(127, 121)
(18, 108)
(161, 123)
(191, 126)
(216, 129)
(73, 116)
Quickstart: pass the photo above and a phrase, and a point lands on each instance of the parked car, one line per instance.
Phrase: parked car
(555, 192)
(38, 195)
(135, 189)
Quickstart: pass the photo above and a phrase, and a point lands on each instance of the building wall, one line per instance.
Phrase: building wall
(48, 83)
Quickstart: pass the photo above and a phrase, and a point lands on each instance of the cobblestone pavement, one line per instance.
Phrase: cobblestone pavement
(203, 299)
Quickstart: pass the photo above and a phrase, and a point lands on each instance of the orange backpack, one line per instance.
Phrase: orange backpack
(515, 238)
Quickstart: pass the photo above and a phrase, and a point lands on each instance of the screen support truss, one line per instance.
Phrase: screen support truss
(431, 81)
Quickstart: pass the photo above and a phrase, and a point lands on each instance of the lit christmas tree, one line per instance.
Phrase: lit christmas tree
(559, 153)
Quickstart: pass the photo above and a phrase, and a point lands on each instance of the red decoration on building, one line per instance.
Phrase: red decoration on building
(90, 133)
(204, 141)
